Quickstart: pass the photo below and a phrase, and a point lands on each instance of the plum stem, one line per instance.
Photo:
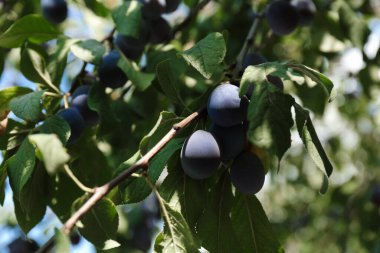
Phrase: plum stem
(100, 192)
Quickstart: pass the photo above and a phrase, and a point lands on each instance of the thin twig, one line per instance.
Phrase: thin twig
(76, 180)
(102, 191)
(191, 16)
(247, 43)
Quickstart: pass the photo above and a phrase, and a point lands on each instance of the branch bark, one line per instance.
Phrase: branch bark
(102, 191)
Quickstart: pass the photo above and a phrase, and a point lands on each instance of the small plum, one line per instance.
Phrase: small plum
(306, 10)
(200, 155)
(54, 11)
(375, 198)
(110, 75)
(282, 17)
(247, 173)
(75, 121)
(160, 31)
(171, 5)
(225, 107)
(22, 246)
(152, 9)
(80, 102)
(231, 140)
(253, 59)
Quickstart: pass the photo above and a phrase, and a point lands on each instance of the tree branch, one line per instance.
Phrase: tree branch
(102, 191)
(191, 16)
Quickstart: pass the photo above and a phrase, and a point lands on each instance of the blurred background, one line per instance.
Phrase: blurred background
(342, 41)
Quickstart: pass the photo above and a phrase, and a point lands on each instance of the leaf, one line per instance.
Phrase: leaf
(314, 75)
(52, 152)
(127, 18)
(177, 237)
(100, 224)
(56, 125)
(90, 51)
(62, 242)
(33, 67)
(141, 80)
(31, 206)
(7, 94)
(3, 177)
(269, 114)
(21, 167)
(168, 74)
(215, 226)
(27, 107)
(207, 55)
(312, 143)
(252, 227)
(136, 189)
(13, 136)
(31, 27)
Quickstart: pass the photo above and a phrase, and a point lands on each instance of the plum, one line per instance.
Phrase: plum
(75, 121)
(54, 11)
(80, 102)
(282, 17)
(110, 75)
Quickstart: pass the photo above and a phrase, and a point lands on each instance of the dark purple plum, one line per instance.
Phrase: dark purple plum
(171, 5)
(80, 102)
(200, 155)
(253, 59)
(75, 238)
(231, 140)
(247, 173)
(282, 17)
(54, 11)
(22, 246)
(152, 9)
(225, 107)
(110, 75)
(306, 10)
(75, 121)
(160, 31)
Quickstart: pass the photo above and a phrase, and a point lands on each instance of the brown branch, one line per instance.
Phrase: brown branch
(102, 191)
(191, 16)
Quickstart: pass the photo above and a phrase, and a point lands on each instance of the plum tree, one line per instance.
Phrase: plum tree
(231, 140)
(75, 121)
(247, 173)
(110, 75)
(160, 31)
(54, 10)
(200, 155)
(80, 102)
(282, 17)
(306, 10)
(171, 5)
(225, 107)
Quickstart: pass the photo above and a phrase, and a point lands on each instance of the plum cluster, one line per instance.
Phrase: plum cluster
(153, 29)
(79, 115)
(54, 11)
(203, 151)
(283, 17)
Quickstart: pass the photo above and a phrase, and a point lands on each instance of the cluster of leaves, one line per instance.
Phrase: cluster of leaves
(174, 82)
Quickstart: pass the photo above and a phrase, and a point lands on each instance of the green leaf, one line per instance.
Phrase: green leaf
(27, 107)
(56, 125)
(21, 167)
(215, 226)
(141, 80)
(33, 67)
(62, 241)
(52, 152)
(31, 27)
(177, 237)
(127, 18)
(3, 177)
(31, 206)
(252, 227)
(207, 55)
(89, 51)
(312, 143)
(136, 189)
(13, 136)
(7, 94)
(314, 75)
(269, 114)
(168, 73)
(100, 224)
